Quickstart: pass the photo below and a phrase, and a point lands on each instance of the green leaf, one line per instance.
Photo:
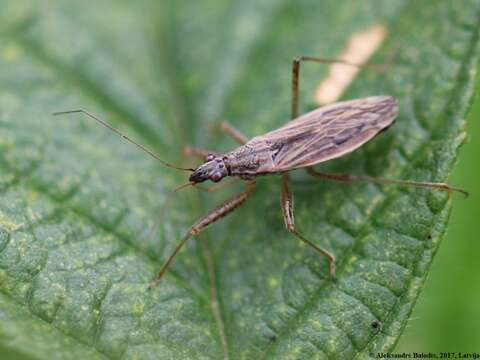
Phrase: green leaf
(76, 201)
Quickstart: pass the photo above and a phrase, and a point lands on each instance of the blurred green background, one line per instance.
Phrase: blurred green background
(447, 315)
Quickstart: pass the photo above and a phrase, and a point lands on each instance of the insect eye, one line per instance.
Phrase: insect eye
(216, 176)
(209, 157)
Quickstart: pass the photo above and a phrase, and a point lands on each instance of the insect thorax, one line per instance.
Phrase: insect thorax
(250, 160)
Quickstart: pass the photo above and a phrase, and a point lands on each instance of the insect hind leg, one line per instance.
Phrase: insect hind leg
(346, 178)
(220, 211)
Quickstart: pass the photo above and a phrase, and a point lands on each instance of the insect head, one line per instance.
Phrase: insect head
(213, 169)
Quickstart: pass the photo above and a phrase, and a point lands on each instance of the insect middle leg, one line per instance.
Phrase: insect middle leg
(287, 210)
(351, 178)
(154, 228)
(220, 211)
(223, 126)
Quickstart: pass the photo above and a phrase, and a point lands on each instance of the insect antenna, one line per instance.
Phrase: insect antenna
(125, 137)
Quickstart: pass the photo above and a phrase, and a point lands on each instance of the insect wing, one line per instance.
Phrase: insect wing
(327, 133)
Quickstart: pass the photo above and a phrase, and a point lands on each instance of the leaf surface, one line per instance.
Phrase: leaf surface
(76, 202)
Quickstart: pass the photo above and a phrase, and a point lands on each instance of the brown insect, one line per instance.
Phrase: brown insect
(323, 134)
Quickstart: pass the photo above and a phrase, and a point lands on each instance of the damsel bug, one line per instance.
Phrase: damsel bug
(323, 134)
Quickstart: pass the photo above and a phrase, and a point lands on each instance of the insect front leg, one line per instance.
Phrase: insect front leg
(231, 131)
(287, 210)
(350, 178)
(220, 211)
(226, 128)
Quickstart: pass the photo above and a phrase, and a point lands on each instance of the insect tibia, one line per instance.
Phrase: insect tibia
(350, 178)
